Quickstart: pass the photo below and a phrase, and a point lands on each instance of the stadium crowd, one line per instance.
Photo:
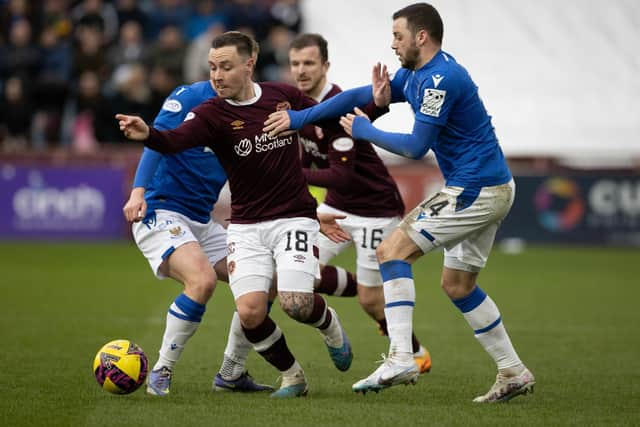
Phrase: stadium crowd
(66, 67)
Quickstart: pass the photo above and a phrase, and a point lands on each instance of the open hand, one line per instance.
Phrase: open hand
(276, 123)
(347, 121)
(381, 85)
(330, 228)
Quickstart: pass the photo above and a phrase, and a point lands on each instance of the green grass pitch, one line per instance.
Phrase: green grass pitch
(572, 314)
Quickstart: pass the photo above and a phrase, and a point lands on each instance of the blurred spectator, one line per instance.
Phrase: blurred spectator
(57, 61)
(203, 17)
(196, 64)
(15, 115)
(96, 13)
(20, 57)
(273, 60)
(17, 10)
(56, 16)
(248, 13)
(168, 52)
(130, 46)
(89, 54)
(164, 13)
(133, 94)
(83, 59)
(161, 83)
(128, 10)
(52, 86)
(287, 13)
(89, 116)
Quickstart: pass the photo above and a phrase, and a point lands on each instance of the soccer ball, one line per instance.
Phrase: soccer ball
(120, 367)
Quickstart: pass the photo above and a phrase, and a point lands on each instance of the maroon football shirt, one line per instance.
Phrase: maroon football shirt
(356, 179)
(265, 174)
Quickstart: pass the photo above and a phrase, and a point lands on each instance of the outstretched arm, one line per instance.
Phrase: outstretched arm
(191, 133)
(414, 145)
(333, 107)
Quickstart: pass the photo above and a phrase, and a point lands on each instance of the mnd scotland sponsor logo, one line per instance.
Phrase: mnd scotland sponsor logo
(262, 143)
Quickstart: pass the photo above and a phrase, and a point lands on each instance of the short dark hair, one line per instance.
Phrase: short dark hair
(422, 16)
(244, 43)
(310, 40)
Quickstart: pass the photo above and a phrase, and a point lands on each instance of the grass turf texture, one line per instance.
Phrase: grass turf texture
(572, 314)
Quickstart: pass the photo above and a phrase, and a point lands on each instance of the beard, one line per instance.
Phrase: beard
(411, 57)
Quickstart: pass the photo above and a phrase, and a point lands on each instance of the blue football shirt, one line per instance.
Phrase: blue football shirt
(188, 182)
(442, 93)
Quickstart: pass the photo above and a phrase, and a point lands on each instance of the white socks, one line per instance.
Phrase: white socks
(483, 316)
(183, 319)
(399, 297)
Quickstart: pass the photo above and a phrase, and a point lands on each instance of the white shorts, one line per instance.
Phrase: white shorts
(467, 235)
(366, 233)
(260, 249)
(165, 231)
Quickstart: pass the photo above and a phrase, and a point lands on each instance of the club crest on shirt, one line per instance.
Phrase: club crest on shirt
(432, 102)
(231, 267)
(237, 124)
(281, 106)
(342, 144)
(176, 232)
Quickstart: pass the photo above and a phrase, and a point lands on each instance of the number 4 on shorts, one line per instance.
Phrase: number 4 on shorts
(434, 205)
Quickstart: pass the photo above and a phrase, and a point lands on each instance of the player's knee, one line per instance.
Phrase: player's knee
(455, 287)
(201, 285)
(251, 315)
(384, 252)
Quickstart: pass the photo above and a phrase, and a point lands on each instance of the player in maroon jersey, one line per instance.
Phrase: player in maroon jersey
(359, 186)
(273, 217)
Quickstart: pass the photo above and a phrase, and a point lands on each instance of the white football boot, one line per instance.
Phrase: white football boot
(391, 372)
(508, 387)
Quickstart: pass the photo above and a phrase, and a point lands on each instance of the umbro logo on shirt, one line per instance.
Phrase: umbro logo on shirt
(237, 124)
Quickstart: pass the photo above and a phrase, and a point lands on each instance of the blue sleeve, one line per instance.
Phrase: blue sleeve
(166, 120)
(146, 167)
(176, 106)
(414, 145)
(397, 86)
(436, 103)
(333, 107)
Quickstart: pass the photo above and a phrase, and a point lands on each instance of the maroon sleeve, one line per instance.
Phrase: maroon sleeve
(339, 174)
(341, 163)
(191, 133)
(373, 111)
(305, 158)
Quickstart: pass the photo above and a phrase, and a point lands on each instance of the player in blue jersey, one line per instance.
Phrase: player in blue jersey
(358, 186)
(170, 207)
(462, 218)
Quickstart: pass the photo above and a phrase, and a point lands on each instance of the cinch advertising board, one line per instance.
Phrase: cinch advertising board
(61, 203)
